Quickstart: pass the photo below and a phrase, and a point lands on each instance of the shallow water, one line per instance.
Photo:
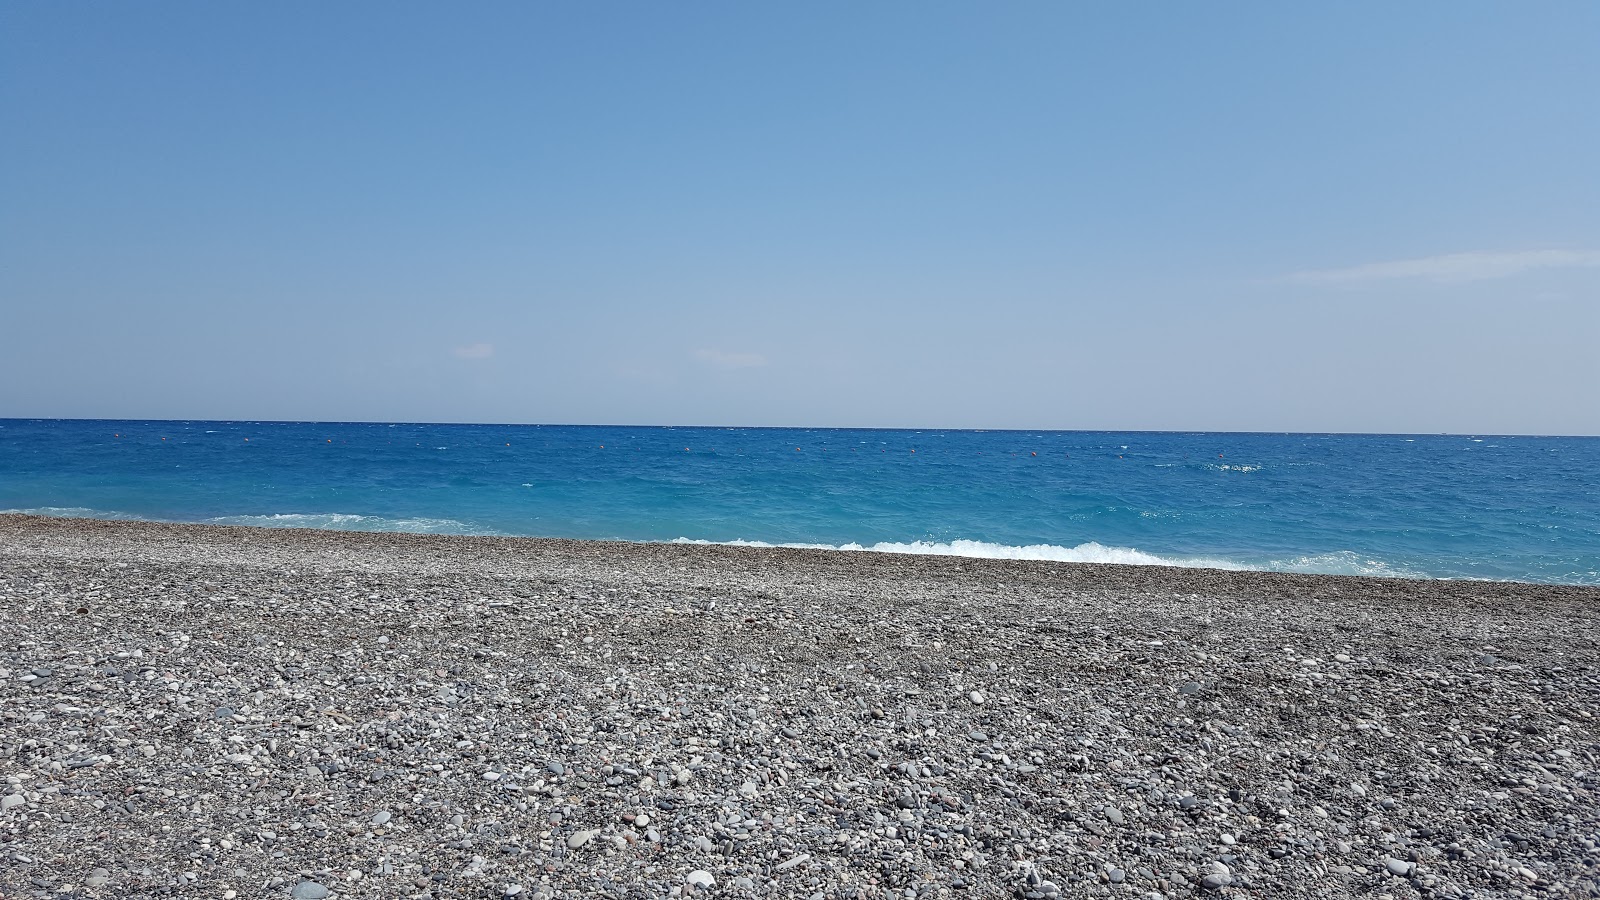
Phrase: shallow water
(1517, 508)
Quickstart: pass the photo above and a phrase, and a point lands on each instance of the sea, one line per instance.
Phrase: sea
(1517, 508)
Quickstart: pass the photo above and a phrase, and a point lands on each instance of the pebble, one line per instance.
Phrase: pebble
(308, 890)
(976, 697)
(1399, 867)
(728, 717)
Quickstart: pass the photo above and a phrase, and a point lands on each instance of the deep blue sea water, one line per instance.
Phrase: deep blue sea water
(1518, 508)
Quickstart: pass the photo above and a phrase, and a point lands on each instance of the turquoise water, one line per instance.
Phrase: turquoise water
(1518, 508)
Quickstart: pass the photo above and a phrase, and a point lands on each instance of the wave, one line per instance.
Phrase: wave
(76, 512)
(1342, 562)
(350, 522)
(1090, 552)
(321, 521)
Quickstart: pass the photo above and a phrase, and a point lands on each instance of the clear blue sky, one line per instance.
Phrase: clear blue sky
(1359, 217)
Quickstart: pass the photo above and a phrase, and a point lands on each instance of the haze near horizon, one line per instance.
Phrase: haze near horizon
(1245, 217)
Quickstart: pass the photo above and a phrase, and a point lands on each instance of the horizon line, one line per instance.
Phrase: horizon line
(924, 428)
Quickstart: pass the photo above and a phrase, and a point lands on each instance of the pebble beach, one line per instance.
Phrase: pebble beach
(225, 712)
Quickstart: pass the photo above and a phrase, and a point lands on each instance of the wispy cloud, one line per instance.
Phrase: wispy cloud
(1454, 267)
(727, 360)
(474, 351)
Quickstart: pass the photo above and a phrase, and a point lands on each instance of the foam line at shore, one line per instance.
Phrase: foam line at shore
(1339, 563)
(318, 521)
(1334, 563)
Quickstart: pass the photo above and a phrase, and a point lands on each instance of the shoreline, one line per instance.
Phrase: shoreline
(245, 709)
(506, 544)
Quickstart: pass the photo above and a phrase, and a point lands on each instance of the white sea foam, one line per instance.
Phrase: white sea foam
(349, 522)
(1342, 562)
(1090, 552)
(75, 512)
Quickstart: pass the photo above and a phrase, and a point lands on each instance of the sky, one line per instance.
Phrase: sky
(1367, 217)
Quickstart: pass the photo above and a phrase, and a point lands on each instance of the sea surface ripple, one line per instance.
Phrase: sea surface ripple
(1424, 506)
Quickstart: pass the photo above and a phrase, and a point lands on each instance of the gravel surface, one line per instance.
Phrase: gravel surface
(226, 712)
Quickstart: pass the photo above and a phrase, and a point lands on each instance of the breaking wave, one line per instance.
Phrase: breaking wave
(75, 512)
(1090, 552)
(349, 522)
(1340, 563)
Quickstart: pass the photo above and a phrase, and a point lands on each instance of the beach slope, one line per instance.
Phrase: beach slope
(218, 712)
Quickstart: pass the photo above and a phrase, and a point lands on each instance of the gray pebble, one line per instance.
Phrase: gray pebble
(1399, 867)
